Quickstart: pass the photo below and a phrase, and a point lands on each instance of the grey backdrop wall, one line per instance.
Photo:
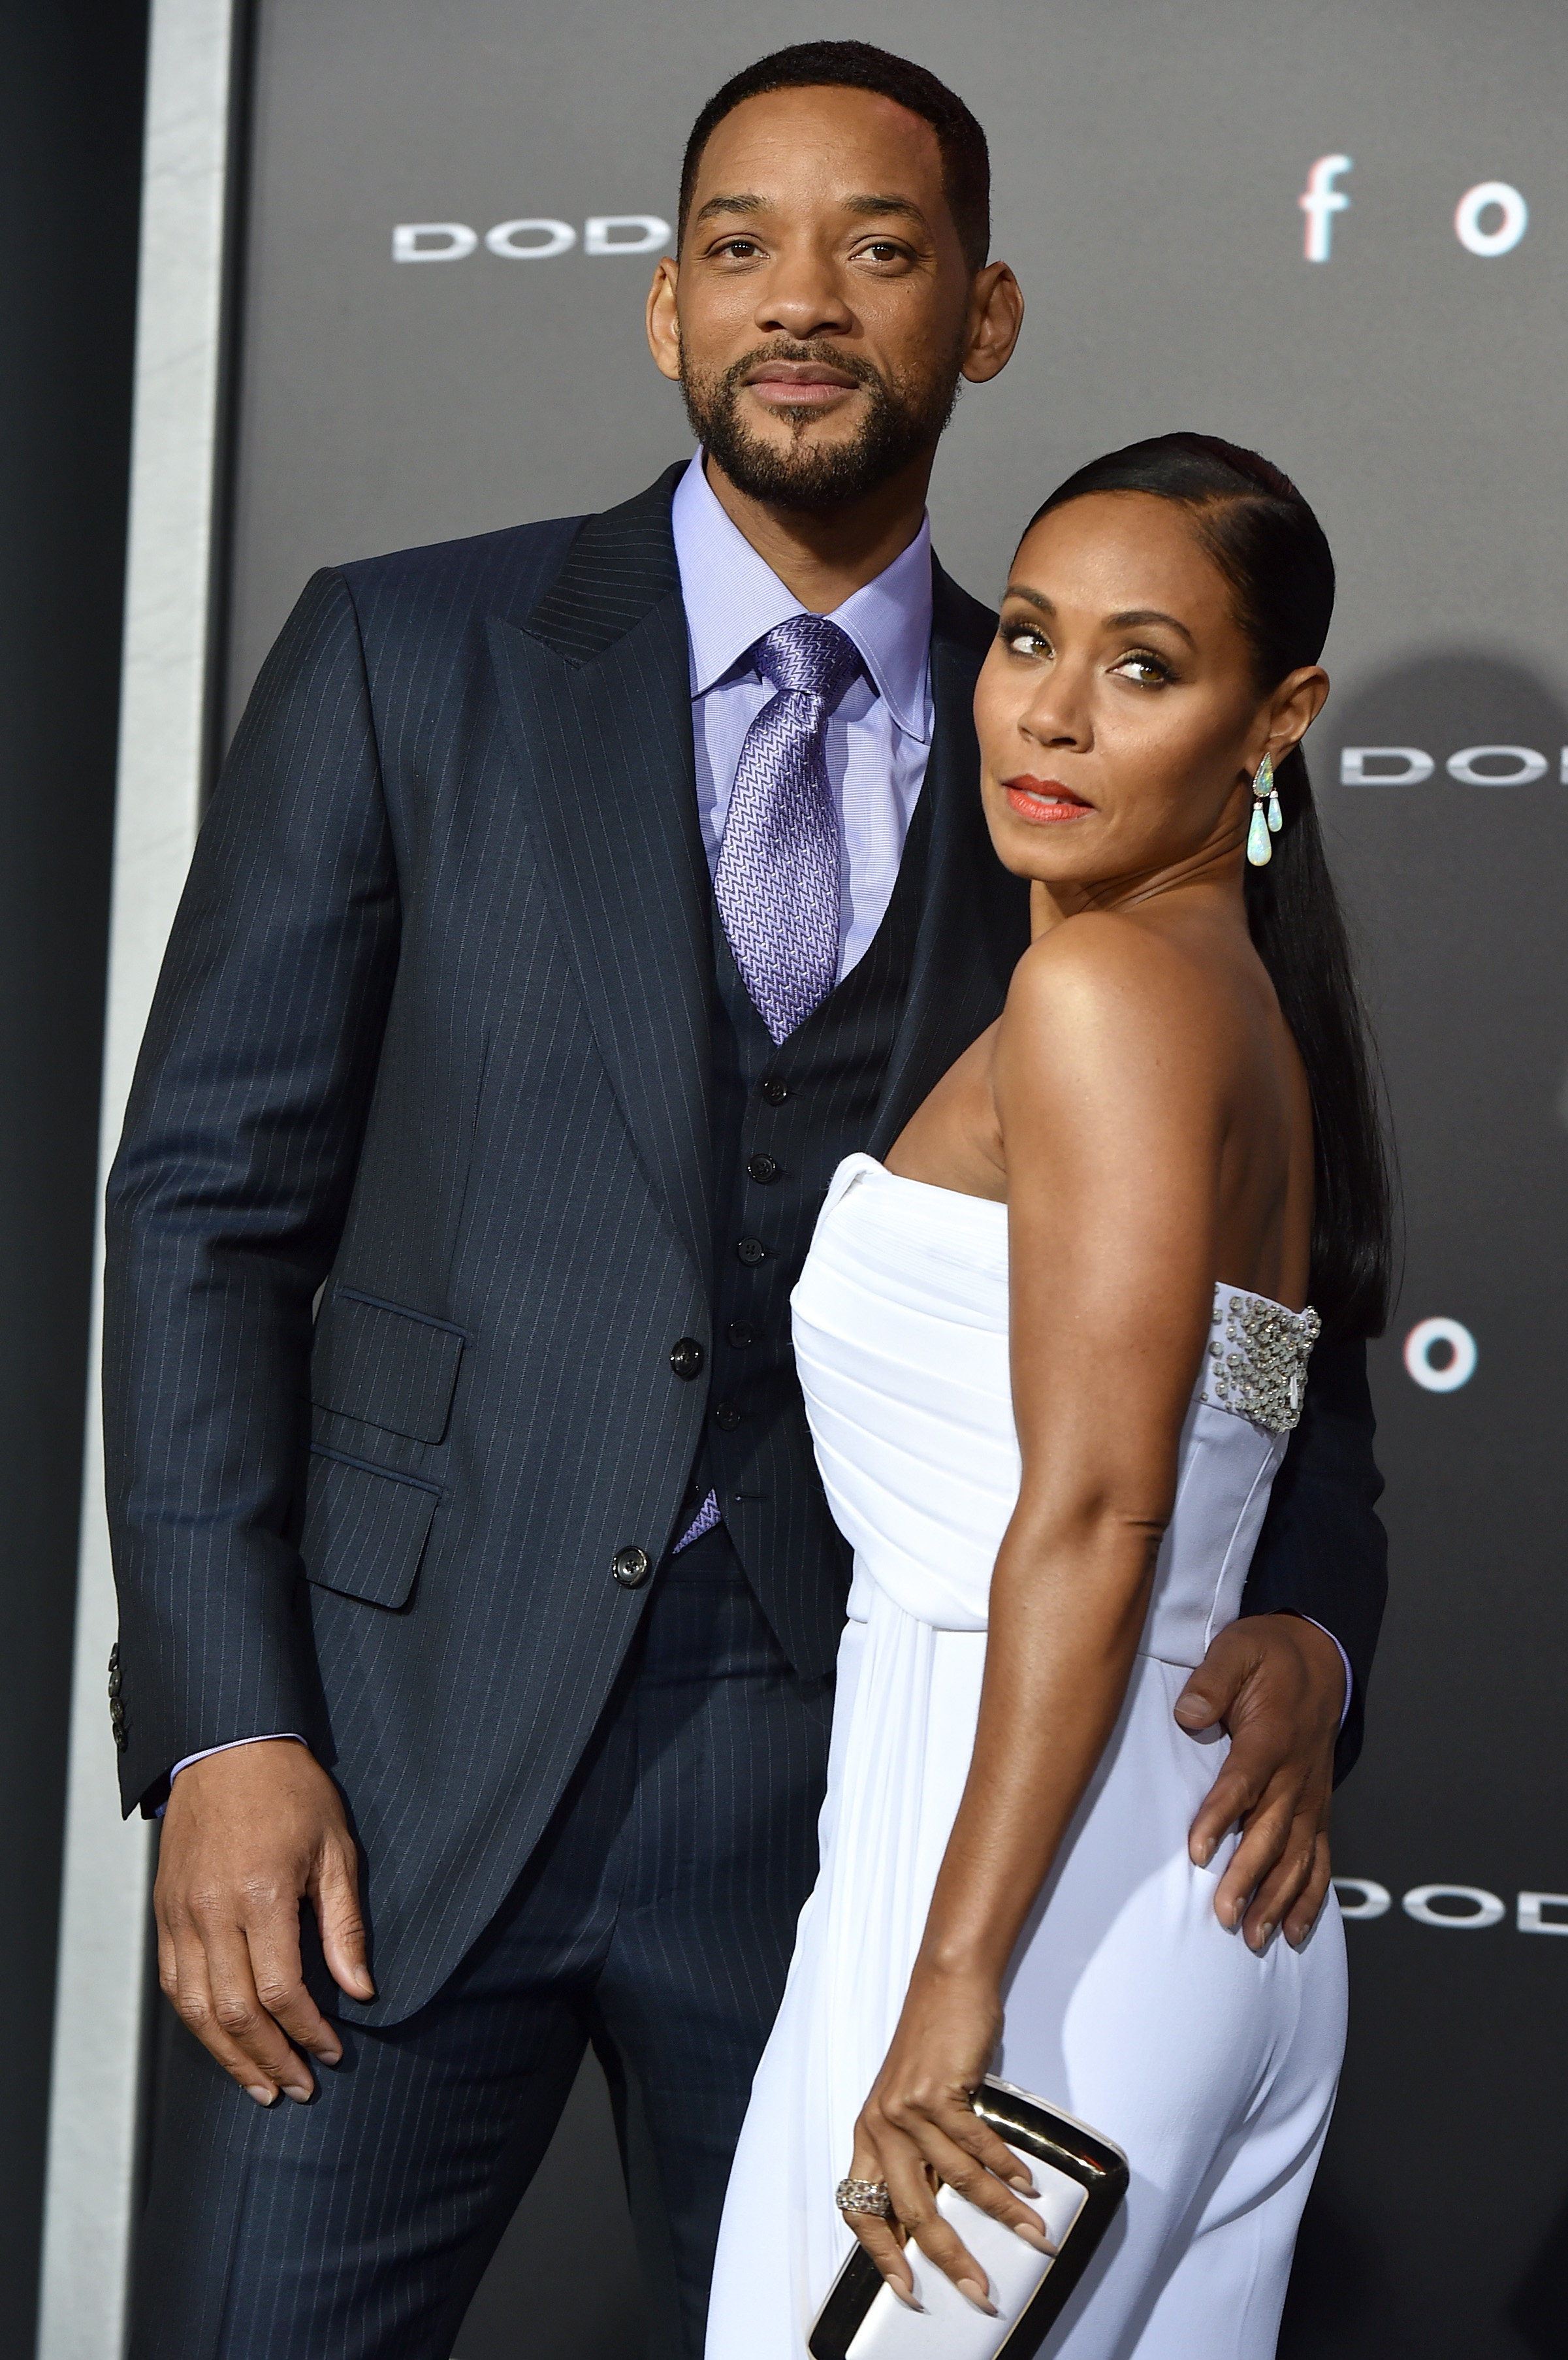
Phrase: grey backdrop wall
(1150, 159)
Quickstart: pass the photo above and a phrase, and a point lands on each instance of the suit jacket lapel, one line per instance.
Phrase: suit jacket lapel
(596, 690)
(974, 923)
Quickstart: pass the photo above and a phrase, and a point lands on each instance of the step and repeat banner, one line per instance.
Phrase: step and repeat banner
(1336, 231)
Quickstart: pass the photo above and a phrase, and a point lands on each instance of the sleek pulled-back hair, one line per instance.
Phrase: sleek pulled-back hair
(1271, 551)
(856, 65)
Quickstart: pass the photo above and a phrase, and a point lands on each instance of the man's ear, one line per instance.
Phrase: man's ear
(663, 324)
(996, 318)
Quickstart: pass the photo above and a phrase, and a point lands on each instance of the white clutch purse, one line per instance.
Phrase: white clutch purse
(1081, 2179)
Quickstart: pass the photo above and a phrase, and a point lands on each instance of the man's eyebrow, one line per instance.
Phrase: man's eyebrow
(868, 204)
(731, 205)
(875, 204)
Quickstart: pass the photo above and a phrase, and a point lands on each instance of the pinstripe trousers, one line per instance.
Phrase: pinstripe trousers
(656, 1920)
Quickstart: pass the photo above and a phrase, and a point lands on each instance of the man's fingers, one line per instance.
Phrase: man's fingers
(216, 1999)
(1303, 1916)
(335, 1895)
(1263, 1840)
(1208, 1696)
(1234, 1793)
(277, 1975)
(1282, 1883)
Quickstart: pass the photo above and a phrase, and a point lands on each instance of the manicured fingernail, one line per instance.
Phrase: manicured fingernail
(1034, 2236)
(1024, 2185)
(977, 2294)
(896, 2285)
(1265, 1936)
(260, 2093)
(300, 2091)
(1204, 1852)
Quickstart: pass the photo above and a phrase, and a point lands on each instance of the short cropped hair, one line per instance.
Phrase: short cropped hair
(856, 65)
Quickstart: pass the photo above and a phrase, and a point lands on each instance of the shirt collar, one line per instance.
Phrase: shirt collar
(732, 596)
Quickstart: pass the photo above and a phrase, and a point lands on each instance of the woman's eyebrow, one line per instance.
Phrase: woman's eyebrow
(1148, 614)
(1133, 615)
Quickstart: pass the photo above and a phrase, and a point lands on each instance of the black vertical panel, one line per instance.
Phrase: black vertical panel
(71, 121)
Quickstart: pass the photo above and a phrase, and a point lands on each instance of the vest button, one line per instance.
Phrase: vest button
(752, 1251)
(686, 1358)
(775, 1091)
(741, 1333)
(631, 1567)
(726, 1417)
(762, 1169)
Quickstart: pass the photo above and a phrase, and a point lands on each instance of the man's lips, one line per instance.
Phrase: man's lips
(1043, 801)
(800, 385)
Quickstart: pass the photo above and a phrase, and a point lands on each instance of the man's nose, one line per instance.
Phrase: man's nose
(802, 297)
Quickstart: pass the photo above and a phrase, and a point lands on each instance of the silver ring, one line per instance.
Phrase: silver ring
(864, 2196)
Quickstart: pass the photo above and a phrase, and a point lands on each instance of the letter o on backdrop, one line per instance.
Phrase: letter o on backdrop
(408, 246)
(1480, 200)
(1485, 1908)
(1354, 773)
(546, 238)
(1361, 1897)
(605, 233)
(1456, 1372)
(1529, 766)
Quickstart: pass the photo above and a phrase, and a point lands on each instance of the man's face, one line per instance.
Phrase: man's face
(824, 302)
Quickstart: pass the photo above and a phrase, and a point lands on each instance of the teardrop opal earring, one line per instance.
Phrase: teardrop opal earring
(1259, 852)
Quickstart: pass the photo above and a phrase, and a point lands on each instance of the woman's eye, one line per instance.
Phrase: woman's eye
(1025, 639)
(1147, 671)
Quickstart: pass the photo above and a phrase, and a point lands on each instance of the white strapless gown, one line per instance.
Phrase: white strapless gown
(1126, 2004)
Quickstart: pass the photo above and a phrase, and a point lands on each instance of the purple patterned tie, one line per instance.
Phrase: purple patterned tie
(777, 879)
(776, 883)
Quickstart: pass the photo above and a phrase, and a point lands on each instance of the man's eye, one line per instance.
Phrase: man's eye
(883, 251)
(741, 248)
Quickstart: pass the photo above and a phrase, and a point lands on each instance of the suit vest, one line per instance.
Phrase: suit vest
(784, 1118)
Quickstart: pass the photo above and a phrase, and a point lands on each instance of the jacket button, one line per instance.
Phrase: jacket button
(686, 1358)
(741, 1333)
(762, 1169)
(631, 1568)
(726, 1417)
(752, 1251)
(775, 1091)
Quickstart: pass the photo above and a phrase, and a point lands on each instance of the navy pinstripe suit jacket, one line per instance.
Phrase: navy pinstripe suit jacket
(432, 1037)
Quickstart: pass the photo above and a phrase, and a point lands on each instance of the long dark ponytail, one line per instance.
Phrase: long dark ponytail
(1271, 550)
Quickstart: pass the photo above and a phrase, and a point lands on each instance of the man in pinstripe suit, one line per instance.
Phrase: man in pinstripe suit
(514, 1562)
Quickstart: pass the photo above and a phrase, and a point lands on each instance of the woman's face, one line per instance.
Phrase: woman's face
(1118, 712)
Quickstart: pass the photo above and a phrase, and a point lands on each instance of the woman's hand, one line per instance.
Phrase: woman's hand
(917, 2127)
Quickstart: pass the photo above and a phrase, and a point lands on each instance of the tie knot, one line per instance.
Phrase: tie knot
(808, 653)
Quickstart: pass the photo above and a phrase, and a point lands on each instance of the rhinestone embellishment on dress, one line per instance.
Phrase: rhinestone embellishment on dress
(1258, 1359)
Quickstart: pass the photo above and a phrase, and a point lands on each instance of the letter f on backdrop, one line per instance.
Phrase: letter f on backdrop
(1320, 201)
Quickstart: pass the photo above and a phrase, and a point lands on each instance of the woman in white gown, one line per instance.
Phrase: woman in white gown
(1051, 1352)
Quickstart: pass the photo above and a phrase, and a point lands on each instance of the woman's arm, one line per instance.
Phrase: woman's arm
(1110, 1087)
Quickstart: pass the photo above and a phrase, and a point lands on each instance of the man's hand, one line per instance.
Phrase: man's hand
(247, 1834)
(1275, 1684)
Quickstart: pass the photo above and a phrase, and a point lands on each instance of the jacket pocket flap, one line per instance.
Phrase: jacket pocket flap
(364, 1528)
(385, 1366)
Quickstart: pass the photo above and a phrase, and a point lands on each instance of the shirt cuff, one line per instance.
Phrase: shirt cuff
(1349, 1675)
(266, 1738)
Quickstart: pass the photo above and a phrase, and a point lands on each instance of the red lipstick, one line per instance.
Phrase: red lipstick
(1043, 801)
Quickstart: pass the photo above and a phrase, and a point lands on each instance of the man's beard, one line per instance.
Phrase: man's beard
(903, 422)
